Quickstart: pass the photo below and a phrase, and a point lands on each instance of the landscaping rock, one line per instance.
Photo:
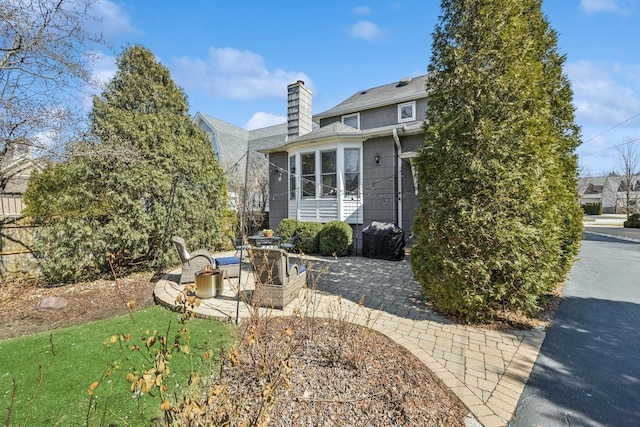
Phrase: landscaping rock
(52, 303)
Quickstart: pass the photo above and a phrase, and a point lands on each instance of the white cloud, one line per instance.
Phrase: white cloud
(114, 21)
(261, 120)
(366, 30)
(362, 10)
(613, 6)
(602, 93)
(234, 74)
(104, 68)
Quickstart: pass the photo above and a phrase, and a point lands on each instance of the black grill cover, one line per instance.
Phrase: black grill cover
(383, 240)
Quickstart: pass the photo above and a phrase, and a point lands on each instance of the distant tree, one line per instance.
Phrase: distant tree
(257, 192)
(45, 54)
(628, 168)
(498, 222)
(149, 173)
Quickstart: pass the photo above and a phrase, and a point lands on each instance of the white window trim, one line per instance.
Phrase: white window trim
(356, 115)
(316, 173)
(411, 104)
(339, 148)
(320, 173)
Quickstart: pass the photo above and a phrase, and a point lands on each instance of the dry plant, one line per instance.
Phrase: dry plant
(351, 327)
(254, 376)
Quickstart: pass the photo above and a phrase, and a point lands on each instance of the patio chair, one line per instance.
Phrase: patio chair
(290, 244)
(278, 281)
(239, 245)
(191, 262)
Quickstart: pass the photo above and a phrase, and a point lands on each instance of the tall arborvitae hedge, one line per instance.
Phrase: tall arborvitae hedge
(148, 173)
(498, 222)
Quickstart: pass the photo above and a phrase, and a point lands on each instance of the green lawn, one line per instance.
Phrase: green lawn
(69, 360)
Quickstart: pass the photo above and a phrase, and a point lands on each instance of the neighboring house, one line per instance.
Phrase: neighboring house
(232, 143)
(15, 171)
(356, 167)
(611, 192)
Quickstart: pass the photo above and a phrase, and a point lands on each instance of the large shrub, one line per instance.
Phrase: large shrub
(335, 238)
(149, 172)
(592, 208)
(288, 227)
(633, 221)
(498, 222)
(308, 232)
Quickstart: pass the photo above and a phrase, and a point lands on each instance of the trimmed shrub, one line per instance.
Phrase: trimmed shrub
(288, 227)
(633, 221)
(336, 237)
(592, 209)
(308, 232)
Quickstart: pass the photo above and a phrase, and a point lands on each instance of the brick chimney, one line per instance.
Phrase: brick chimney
(298, 110)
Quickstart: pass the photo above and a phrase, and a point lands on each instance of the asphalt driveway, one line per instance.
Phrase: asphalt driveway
(588, 370)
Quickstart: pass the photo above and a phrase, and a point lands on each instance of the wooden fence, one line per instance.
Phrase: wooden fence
(16, 255)
(11, 205)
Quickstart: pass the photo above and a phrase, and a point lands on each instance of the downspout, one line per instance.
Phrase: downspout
(397, 142)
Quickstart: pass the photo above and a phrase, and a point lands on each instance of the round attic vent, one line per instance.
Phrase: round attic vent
(404, 81)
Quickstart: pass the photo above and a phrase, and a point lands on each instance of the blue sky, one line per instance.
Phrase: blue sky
(234, 59)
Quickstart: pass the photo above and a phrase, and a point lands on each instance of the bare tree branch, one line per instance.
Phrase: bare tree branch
(45, 57)
(628, 167)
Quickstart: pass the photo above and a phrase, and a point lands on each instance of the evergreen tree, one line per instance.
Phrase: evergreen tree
(498, 222)
(149, 168)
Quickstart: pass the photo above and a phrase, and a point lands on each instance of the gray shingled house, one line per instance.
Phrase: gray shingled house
(356, 166)
(350, 163)
(230, 142)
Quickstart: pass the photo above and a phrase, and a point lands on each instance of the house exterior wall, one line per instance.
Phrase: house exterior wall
(278, 189)
(381, 116)
(379, 182)
(409, 190)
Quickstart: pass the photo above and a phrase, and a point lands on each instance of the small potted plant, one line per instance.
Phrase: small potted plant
(267, 232)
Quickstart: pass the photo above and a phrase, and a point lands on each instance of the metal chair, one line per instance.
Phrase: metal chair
(239, 245)
(291, 244)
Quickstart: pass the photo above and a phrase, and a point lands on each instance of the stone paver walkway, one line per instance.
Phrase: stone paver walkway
(486, 369)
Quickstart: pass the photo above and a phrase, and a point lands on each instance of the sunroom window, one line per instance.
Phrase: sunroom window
(328, 172)
(308, 161)
(292, 177)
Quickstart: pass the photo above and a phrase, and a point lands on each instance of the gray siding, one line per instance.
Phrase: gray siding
(379, 182)
(382, 116)
(278, 190)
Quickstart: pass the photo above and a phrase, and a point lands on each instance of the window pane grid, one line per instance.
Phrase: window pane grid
(308, 175)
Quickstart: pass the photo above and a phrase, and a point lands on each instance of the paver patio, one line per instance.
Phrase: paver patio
(486, 369)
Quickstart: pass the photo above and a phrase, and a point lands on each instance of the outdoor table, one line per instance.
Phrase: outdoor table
(263, 241)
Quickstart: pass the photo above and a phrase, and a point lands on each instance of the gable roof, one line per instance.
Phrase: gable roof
(15, 171)
(407, 89)
(230, 142)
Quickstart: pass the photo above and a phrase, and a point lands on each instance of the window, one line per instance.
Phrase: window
(328, 172)
(351, 171)
(308, 174)
(407, 112)
(292, 177)
(352, 120)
